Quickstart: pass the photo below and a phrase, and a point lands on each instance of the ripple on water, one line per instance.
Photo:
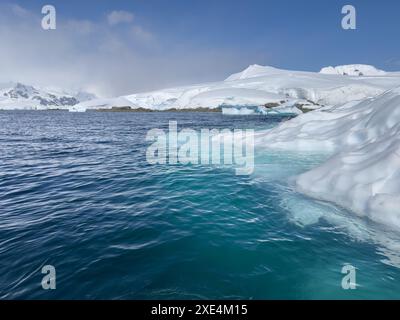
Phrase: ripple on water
(77, 193)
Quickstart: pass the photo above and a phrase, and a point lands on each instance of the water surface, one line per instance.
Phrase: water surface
(76, 192)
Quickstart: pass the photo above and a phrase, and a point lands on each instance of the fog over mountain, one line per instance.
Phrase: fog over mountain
(108, 57)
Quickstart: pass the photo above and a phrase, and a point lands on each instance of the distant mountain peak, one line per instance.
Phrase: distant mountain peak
(19, 94)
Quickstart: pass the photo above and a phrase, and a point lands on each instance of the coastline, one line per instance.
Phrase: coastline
(128, 109)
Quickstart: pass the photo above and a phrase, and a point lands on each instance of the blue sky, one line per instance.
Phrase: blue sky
(173, 42)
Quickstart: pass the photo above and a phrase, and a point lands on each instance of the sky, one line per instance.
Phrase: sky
(117, 47)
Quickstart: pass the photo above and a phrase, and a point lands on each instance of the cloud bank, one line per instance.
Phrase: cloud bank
(111, 56)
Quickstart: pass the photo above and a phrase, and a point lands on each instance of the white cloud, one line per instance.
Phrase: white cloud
(118, 17)
(83, 27)
(19, 11)
(142, 34)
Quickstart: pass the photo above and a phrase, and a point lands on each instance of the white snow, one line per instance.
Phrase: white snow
(243, 97)
(18, 96)
(354, 70)
(363, 175)
(254, 71)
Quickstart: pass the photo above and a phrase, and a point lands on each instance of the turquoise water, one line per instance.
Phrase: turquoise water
(77, 193)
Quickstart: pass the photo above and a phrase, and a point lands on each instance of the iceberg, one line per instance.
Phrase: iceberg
(363, 173)
(238, 111)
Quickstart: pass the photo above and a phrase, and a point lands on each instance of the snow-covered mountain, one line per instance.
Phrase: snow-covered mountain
(260, 86)
(21, 96)
(257, 89)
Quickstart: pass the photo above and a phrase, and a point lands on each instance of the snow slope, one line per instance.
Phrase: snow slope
(259, 85)
(363, 175)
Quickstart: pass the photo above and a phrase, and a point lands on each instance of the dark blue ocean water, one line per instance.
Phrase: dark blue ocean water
(77, 193)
